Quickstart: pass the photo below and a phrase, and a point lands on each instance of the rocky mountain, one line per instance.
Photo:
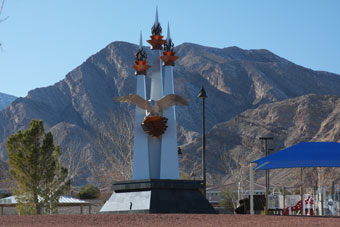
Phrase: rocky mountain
(5, 100)
(84, 120)
(234, 144)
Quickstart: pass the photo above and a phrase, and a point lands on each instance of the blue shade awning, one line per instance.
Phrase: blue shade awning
(305, 154)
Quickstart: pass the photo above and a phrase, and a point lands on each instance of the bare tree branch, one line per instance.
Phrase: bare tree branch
(319, 176)
(2, 20)
(115, 145)
(237, 171)
(1, 9)
(72, 161)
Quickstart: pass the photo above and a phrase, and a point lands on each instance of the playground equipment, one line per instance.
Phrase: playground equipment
(322, 202)
(305, 207)
(302, 155)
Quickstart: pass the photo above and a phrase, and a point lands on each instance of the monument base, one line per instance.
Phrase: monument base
(158, 196)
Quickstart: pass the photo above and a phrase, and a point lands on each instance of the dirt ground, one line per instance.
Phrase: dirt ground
(161, 220)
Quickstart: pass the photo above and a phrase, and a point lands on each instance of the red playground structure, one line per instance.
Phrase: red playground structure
(299, 207)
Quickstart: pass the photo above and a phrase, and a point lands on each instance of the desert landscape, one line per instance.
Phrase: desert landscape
(97, 129)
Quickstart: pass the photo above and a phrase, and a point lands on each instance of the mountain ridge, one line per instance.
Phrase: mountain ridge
(236, 142)
(79, 109)
(6, 99)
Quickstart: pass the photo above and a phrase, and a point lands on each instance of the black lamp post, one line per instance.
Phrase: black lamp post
(203, 96)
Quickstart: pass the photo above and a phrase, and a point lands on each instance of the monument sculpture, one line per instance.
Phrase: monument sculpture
(155, 186)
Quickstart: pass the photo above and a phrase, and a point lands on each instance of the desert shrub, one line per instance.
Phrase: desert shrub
(89, 191)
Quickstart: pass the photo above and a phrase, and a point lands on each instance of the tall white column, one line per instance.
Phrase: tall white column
(140, 166)
(156, 76)
(155, 94)
(169, 156)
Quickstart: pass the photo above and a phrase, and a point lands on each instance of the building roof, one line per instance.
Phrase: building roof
(63, 201)
(233, 187)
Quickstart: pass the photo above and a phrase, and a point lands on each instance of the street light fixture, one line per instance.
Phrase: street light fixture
(203, 96)
(179, 151)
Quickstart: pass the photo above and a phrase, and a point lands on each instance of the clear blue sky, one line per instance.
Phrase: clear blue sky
(44, 40)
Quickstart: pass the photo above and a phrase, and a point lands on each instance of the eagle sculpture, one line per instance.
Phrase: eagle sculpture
(154, 123)
(154, 107)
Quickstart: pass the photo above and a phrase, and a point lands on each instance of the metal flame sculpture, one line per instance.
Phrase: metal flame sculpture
(156, 29)
(141, 55)
(169, 46)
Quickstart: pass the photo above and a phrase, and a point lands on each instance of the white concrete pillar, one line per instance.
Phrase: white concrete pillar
(169, 156)
(303, 205)
(324, 200)
(320, 204)
(140, 165)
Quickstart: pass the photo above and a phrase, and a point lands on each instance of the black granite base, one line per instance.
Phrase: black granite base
(163, 196)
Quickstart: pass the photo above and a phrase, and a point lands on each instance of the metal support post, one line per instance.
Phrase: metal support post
(251, 177)
(267, 171)
(203, 95)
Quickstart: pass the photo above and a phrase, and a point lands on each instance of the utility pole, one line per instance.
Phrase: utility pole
(270, 150)
(267, 171)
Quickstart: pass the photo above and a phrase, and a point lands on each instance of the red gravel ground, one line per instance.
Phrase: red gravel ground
(161, 220)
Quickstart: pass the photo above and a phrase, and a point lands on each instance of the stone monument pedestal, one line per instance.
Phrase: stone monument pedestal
(158, 196)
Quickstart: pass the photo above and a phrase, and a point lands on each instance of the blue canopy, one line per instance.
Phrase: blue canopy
(305, 154)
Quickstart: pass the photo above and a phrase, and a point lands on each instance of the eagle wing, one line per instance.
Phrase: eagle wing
(171, 100)
(135, 99)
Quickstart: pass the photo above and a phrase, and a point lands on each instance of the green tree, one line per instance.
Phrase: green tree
(35, 167)
(89, 191)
